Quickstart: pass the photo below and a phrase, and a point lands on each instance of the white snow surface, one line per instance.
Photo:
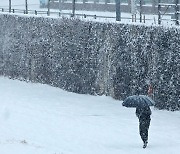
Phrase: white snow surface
(40, 119)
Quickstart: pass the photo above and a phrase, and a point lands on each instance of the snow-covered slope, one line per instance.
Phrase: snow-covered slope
(39, 119)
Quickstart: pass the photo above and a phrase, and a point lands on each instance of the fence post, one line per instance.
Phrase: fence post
(132, 18)
(140, 10)
(73, 8)
(9, 6)
(118, 11)
(48, 12)
(159, 12)
(144, 18)
(26, 6)
(177, 12)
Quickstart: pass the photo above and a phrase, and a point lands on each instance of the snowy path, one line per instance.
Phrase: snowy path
(40, 119)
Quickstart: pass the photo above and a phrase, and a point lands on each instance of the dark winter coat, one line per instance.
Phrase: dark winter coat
(144, 113)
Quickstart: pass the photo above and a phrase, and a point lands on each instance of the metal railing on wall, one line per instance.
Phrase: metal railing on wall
(61, 14)
(162, 9)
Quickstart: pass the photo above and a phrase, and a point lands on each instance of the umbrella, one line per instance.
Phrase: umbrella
(138, 101)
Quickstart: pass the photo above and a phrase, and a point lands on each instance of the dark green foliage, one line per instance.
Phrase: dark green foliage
(93, 58)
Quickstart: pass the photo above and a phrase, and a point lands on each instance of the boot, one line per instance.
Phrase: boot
(145, 144)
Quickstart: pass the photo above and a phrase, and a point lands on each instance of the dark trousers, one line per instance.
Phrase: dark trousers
(143, 128)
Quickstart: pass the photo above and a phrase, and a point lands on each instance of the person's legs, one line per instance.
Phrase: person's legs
(143, 129)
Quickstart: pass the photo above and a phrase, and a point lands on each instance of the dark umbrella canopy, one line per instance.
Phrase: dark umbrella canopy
(138, 101)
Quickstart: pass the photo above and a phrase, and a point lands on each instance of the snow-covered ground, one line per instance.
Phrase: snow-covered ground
(126, 17)
(40, 119)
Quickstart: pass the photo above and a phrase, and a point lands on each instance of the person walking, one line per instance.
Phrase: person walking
(142, 104)
(143, 113)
